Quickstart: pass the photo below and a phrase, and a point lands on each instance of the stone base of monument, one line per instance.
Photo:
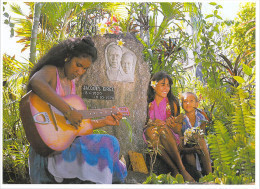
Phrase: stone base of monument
(160, 167)
(135, 177)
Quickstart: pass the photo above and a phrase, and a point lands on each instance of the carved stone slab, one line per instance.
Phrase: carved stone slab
(130, 88)
(120, 63)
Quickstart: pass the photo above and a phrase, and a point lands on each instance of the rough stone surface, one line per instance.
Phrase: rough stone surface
(135, 177)
(130, 94)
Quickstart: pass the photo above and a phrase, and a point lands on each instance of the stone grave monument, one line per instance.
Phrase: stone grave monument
(119, 77)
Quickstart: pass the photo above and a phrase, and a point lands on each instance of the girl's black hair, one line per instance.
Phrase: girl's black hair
(172, 99)
(68, 49)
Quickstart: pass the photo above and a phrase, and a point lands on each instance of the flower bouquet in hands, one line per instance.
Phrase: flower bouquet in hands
(192, 135)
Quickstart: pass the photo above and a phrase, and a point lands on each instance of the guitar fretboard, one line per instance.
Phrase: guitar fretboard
(98, 112)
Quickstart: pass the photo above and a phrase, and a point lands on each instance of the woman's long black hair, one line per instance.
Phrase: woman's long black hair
(66, 50)
(172, 99)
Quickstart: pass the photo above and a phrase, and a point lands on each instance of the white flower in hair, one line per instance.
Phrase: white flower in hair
(154, 83)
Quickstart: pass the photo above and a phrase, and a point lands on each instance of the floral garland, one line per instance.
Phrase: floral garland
(168, 108)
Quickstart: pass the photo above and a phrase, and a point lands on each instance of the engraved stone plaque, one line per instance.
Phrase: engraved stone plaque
(98, 92)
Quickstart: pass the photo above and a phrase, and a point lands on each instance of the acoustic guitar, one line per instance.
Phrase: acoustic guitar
(47, 129)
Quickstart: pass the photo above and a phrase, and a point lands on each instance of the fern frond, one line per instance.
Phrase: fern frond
(243, 123)
(218, 96)
(245, 161)
(222, 146)
(244, 114)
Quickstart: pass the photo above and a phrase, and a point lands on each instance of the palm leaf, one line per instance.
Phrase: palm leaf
(171, 10)
(238, 59)
(15, 74)
(228, 69)
(227, 61)
(16, 9)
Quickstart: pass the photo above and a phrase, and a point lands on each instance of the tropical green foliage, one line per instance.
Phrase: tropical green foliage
(225, 50)
(15, 145)
(129, 128)
(7, 20)
(228, 95)
(164, 179)
(243, 31)
(232, 138)
(163, 42)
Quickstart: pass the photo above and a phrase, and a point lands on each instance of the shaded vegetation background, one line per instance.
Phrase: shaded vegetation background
(224, 50)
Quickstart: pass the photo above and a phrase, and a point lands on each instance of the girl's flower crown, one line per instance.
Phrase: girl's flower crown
(154, 83)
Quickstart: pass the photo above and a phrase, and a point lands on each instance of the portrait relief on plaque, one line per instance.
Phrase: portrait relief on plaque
(120, 63)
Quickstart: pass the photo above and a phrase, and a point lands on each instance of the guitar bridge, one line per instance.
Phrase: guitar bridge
(44, 115)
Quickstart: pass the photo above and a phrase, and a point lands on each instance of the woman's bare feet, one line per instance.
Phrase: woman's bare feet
(174, 172)
(187, 176)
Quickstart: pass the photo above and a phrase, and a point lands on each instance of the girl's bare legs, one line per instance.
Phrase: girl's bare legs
(168, 141)
(168, 160)
(154, 139)
(170, 152)
(205, 158)
(191, 159)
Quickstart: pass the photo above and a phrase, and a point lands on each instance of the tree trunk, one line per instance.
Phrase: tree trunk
(36, 19)
(147, 17)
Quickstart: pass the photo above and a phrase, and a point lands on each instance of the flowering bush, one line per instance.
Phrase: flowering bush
(192, 135)
(111, 26)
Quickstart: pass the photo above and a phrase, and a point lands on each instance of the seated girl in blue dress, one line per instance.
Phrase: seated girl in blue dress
(194, 118)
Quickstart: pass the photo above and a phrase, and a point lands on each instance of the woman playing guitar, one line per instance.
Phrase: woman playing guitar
(90, 157)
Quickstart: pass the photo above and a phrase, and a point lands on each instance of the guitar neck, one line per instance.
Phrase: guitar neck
(87, 114)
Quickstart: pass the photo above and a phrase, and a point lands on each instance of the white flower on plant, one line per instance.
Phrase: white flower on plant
(99, 25)
(154, 83)
(120, 42)
(102, 28)
(102, 31)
